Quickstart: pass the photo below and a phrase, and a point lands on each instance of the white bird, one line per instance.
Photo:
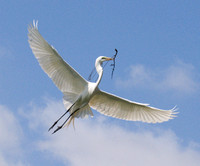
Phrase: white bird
(81, 95)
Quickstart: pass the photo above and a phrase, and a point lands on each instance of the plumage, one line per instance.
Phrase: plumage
(79, 95)
(120, 108)
(63, 75)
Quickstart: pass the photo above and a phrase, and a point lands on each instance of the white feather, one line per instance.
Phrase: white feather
(120, 108)
(80, 95)
(63, 75)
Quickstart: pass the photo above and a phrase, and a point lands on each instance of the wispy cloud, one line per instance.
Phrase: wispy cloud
(97, 142)
(42, 116)
(10, 138)
(94, 141)
(180, 77)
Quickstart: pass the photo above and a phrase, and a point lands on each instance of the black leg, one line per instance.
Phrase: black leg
(60, 127)
(60, 118)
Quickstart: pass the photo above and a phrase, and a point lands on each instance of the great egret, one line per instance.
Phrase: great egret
(81, 95)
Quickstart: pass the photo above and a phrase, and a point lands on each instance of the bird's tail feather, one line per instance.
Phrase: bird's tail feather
(71, 119)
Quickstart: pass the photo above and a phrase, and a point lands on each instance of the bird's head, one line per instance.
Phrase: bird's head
(99, 61)
(102, 59)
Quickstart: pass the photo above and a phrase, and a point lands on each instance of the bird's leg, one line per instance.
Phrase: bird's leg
(60, 127)
(60, 118)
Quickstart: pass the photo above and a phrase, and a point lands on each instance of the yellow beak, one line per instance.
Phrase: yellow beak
(108, 59)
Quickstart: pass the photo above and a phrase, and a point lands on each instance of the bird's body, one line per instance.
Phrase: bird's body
(81, 95)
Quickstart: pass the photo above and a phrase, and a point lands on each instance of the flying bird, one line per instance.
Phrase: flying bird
(79, 95)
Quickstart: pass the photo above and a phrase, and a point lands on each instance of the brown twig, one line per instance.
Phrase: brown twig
(92, 74)
(116, 51)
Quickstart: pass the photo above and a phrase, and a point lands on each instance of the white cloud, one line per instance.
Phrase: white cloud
(179, 77)
(138, 76)
(10, 138)
(42, 116)
(97, 142)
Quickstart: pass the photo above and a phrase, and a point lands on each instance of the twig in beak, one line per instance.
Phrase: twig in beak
(92, 74)
(116, 51)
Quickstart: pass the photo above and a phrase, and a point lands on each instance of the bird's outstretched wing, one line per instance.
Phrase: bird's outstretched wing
(62, 74)
(117, 107)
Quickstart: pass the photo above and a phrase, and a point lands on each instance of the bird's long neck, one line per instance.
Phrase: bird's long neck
(99, 71)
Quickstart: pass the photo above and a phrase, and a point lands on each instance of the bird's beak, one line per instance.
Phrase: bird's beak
(108, 59)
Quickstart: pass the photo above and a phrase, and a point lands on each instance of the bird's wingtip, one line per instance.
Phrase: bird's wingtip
(174, 112)
(35, 24)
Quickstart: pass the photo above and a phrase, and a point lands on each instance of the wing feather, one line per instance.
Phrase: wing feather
(62, 74)
(120, 108)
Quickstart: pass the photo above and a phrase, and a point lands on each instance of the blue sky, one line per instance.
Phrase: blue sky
(158, 63)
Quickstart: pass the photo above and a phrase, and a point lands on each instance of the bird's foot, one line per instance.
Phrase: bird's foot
(58, 128)
(53, 125)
